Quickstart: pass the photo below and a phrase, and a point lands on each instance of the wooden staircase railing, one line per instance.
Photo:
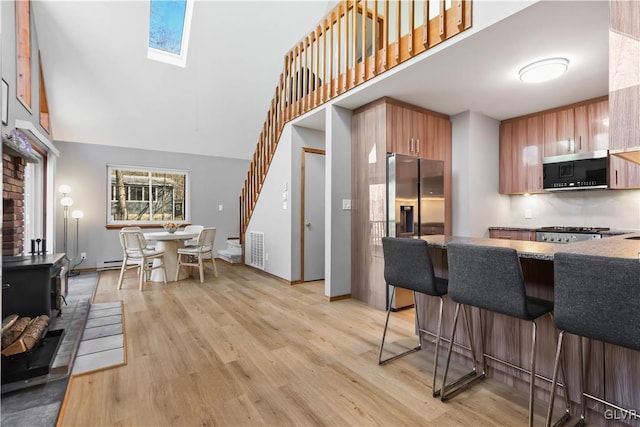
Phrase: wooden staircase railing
(344, 50)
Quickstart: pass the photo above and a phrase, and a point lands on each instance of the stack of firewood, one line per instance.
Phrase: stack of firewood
(20, 334)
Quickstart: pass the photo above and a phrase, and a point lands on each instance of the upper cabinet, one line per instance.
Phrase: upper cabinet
(521, 144)
(577, 129)
(581, 127)
(624, 79)
(416, 132)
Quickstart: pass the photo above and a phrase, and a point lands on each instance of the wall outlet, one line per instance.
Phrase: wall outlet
(220, 208)
(83, 255)
(528, 214)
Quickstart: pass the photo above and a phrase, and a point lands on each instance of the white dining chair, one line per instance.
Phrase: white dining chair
(192, 229)
(195, 255)
(137, 254)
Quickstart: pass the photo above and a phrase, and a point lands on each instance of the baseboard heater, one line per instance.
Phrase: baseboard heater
(109, 265)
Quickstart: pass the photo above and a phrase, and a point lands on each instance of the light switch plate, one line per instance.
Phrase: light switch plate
(528, 214)
(346, 205)
(220, 208)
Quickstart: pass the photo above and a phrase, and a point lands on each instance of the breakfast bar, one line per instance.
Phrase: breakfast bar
(611, 372)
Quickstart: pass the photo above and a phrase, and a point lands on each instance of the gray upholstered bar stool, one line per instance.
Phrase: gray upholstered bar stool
(407, 265)
(490, 278)
(597, 298)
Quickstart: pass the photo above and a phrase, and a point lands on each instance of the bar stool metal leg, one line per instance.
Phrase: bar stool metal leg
(583, 399)
(471, 377)
(436, 393)
(384, 334)
(532, 379)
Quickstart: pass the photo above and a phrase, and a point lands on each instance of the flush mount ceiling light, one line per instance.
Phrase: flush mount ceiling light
(542, 71)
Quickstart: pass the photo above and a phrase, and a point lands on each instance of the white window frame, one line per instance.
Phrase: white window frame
(187, 194)
(172, 58)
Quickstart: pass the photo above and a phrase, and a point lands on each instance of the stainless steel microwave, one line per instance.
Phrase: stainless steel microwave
(581, 171)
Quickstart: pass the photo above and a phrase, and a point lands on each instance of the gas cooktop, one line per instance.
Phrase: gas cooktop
(568, 234)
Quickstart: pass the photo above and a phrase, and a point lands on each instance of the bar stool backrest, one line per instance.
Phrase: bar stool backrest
(487, 277)
(598, 297)
(407, 265)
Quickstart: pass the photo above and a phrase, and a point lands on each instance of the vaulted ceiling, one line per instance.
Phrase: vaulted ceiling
(102, 89)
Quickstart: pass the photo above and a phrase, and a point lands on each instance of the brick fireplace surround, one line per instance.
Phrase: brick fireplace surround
(12, 204)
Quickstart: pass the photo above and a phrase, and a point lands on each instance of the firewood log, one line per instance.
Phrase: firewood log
(34, 332)
(29, 337)
(15, 331)
(8, 322)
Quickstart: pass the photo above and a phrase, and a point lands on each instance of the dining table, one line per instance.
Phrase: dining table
(169, 243)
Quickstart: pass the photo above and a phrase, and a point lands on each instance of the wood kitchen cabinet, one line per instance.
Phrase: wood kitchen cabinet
(512, 234)
(624, 80)
(578, 128)
(623, 174)
(521, 146)
(415, 132)
(384, 126)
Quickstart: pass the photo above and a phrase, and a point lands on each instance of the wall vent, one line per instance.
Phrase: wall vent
(256, 256)
(109, 265)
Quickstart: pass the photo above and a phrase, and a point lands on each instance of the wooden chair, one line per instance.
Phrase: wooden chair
(196, 254)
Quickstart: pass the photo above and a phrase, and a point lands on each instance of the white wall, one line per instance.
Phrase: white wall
(309, 138)
(272, 214)
(338, 188)
(616, 209)
(476, 202)
(281, 226)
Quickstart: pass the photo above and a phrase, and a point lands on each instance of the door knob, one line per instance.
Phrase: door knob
(307, 224)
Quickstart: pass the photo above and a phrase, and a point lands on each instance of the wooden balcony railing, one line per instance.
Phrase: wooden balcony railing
(356, 41)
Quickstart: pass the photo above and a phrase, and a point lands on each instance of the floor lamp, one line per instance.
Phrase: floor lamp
(66, 201)
(77, 215)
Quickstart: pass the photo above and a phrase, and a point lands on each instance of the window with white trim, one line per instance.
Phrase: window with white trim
(169, 29)
(147, 195)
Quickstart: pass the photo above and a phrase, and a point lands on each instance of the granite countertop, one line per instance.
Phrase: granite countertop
(619, 246)
(515, 228)
(532, 228)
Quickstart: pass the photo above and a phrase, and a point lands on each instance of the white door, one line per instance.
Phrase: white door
(313, 215)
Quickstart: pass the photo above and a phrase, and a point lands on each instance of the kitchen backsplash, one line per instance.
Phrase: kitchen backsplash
(617, 209)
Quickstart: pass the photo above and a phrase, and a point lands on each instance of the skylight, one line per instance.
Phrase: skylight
(169, 27)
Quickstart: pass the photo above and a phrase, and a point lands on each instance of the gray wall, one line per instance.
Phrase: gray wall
(214, 181)
(476, 201)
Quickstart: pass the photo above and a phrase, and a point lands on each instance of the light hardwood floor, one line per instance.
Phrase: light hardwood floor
(244, 349)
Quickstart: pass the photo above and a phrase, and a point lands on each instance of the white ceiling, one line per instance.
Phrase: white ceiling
(102, 89)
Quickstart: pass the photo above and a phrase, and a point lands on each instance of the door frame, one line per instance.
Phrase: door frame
(305, 150)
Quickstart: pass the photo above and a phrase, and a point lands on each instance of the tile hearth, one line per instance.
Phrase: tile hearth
(37, 401)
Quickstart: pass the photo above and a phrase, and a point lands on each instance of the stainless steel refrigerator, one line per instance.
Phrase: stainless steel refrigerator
(415, 204)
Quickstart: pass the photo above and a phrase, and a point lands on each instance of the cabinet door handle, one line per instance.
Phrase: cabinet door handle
(580, 143)
(616, 177)
(417, 145)
(505, 237)
(6, 286)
